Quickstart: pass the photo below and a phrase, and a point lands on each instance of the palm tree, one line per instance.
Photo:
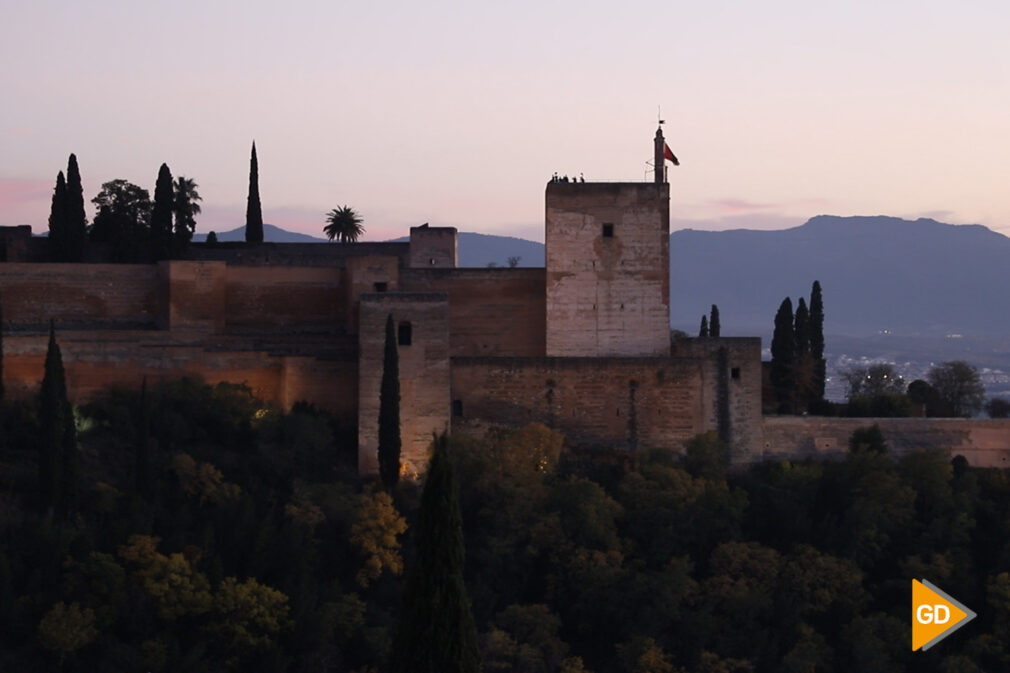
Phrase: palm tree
(343, 224)
(186, 209)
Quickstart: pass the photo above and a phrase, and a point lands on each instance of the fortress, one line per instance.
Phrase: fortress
(582, 345)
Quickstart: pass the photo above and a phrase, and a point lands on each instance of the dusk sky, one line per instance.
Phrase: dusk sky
(458, 113)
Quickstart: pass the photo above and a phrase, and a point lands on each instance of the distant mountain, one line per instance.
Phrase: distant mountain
(878, 273)
(917, 277)
(271, 234)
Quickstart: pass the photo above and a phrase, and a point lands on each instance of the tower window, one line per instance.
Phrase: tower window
(608, 230)
(735, 372)
(381, 287)
(431, 261)
(404, 334)
(457, 408)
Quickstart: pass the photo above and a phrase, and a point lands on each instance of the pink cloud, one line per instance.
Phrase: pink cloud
(25, 201)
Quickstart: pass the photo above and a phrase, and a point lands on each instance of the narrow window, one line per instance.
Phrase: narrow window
(608, 230)
(735, 372)
(381, 287)
(457, 408)
(431, 261)
(404, 334)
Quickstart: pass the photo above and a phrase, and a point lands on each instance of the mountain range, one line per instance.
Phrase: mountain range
(880, 275)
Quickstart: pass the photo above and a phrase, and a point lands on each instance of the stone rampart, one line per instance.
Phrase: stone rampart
(984, 442)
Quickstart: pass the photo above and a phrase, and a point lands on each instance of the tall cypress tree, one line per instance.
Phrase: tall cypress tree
(713, 322)
(389, 410)
(784, 356)
(253, 212)
(703, 330)
(817, 340)
(801, 329)
(58, 221)
(56, 435)
(436, 632)
(1, 349)
(77, 221)
(161, 215)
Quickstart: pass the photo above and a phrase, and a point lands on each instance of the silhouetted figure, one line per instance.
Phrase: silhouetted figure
(581, 179)
(564, 179)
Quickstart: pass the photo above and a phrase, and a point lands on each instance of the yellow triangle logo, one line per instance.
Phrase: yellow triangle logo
(935, 615)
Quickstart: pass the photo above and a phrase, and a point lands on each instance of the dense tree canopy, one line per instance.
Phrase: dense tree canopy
(959, 386)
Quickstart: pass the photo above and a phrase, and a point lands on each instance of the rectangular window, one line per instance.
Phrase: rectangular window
(404, 334)
(735, 372)
(608, 230)
(457, 408)
(381, 287)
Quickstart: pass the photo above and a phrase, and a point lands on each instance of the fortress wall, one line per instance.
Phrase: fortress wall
(984, 442)
(628, 403)
(328, 384)
(433, 247)
(327, 255)
(733, 396)
(494, 312)
(95, 361)
(367, 274)
(79, 294)
(424, 374)
(288, 298)
(192, 296)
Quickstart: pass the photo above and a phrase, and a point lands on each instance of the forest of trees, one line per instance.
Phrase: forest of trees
(211, 532)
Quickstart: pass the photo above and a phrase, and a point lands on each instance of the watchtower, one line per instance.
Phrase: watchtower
(608, 267)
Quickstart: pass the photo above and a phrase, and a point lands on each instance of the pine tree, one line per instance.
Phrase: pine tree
(58, 221)
(57, 438)
(389, 410)
(161, 215)
(784, 356)
(703, 330)
(253, 213)
(436, 632)
(77, 222)
(817, 341)
(713, 322)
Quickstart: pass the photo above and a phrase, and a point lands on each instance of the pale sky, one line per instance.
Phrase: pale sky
(457, 113)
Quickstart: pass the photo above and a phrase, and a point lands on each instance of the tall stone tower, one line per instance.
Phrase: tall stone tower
(608, 267)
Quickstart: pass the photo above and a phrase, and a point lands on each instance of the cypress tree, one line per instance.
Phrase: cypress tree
(253, 212)
(1, 349)
(389, 410)
(57, 471)
(802, 329)
(436, 632)
(161, 215)
(703, 330)
(58, 221)
(783, 356)
(76, 222)
(713, 322)
(817, 340)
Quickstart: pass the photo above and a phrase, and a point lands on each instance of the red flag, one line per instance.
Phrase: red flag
(668, 154)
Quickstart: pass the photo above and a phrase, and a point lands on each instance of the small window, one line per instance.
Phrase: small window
(404, 334)
(608, 230)
(457, 408)
(735, 372)
(381, 287)
(431, 261)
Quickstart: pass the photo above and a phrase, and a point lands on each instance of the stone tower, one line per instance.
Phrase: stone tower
(608, 267)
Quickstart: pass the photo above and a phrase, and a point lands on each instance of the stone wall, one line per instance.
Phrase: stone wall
(96, 295)
(491, 311)
(279, 298)
(733, 388)
(97, 360)
(424, 374)
(608, 273)
(629, 403)
(433, 247)
(985, 443)
(192, 296)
